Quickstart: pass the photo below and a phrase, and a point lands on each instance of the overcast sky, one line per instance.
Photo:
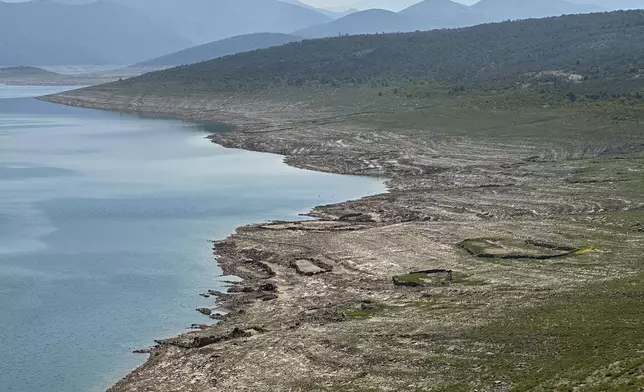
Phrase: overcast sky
(339, 3)
(329, 3)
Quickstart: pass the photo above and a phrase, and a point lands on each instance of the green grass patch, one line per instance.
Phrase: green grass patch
(467, 280)
(363, 311)
(592, 340)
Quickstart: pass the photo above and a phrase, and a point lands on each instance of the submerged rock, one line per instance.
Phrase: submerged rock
(205, 311)
(218, 316)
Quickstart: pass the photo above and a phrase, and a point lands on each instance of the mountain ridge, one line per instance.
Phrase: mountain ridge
(227, 46)
(362, 22)
(430, 14)
(438, 14)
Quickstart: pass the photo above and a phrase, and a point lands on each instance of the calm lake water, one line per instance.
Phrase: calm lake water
(104, 228)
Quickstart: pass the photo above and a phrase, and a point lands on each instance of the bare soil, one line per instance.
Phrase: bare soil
(318, 308)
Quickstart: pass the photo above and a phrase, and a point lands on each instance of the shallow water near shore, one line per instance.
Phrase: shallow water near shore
(104, 227)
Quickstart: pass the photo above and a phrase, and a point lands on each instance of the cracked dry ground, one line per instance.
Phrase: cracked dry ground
(318, 310)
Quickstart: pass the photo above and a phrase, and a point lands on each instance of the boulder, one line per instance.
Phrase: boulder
(306, 267)
(205, 311)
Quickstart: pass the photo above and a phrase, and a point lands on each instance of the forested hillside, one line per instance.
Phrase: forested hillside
(595, 55)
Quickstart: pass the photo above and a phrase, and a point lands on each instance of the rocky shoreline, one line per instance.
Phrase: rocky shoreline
(320, 307)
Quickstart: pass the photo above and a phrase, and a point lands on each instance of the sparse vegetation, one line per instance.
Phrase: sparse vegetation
(589, 340)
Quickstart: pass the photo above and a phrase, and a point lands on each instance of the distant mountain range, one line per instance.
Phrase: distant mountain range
(203, 21)
(398, 5)
(390, 5)
(328, 12)
(48, 33)
(431, 14)
(369, 21)
(45, 32)
(436, 14)
(225, 47)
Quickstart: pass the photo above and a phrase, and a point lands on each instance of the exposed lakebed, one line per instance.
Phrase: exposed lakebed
(104, 227)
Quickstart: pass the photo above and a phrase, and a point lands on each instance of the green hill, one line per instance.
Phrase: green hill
(597, 55)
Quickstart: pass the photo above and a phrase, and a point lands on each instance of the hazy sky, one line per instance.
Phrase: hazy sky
(339, 3)
(394, 4)
(328, 3)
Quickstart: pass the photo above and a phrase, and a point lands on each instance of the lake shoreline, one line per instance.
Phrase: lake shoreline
(257, 284)
(370, 293)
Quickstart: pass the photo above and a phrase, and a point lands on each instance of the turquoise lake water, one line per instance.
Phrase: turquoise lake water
(104, 227)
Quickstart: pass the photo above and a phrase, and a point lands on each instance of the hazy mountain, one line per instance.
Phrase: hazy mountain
(48, 33)
(213, 50)
(433, 14)
(363, 22)
(335, 14)
(18, 73)
(22, 75)
(345, 10)
(425, 15)
(391, 5)
(522, 9)
(204, 21)
(430, 14)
